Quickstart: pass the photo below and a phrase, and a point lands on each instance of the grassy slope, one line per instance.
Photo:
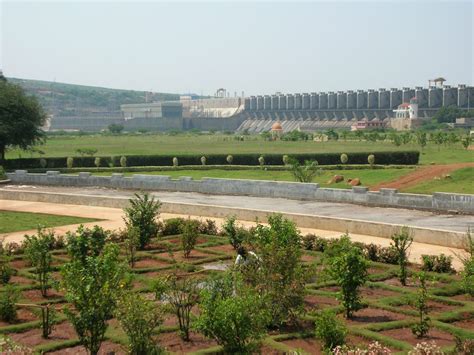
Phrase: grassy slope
(368, 177)
(19, 221)
(461, 181)
(207, 144)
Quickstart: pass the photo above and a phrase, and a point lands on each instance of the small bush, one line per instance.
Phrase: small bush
(229, 159)
(203, 160)
(344, 158)
(237, 235)
(331, 331)
(173, 226)
(97, 162)
(464, 346)
(175, 161)
(421, 328)
(286, 159)
(8, 298)
(402, 241)
(388, 255)
(426, 348)
(208, 227)
(189, 236)
(49, 318)
(3, 176)
(371, 159)
(314, 243)
(372, 252)
(6, 271)
(306, 172)
(43, 163)
(70, 162)
(261, 161)
(123, 162)
(437, 263)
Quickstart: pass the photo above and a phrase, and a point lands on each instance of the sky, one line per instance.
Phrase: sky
(257, 47)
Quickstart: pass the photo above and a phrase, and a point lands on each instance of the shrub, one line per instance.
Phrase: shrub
(48, 320)
(371, 159)
(388, 255)
(142, 215)
(437, 263)
(463, 346)
(43, 163)
(372, 252)
(344, 158)
(286, 159)
(92, 286)
(331, 331)
(426, 348)
(281, 277)
(261, 161)
(131, 244)
(6, 271)
(123, 162)
(235, 320)
(175, 161)
(306, 172)
(70, 162)
(421, 328)
(208, 227)
(97, 162)
(235, 233)
(203, 160)
(9, 347)
(402, 241)
(467, 274)
(189, 236)
(38, 251)
(85, 243)
(348, 267)
(8, 299)
(314, 243)
(3, 175)
(173, 226)
(182, 294)
(374, 348)
(138, 318)
(229, 159)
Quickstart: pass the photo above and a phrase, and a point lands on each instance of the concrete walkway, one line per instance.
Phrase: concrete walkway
(112, 219)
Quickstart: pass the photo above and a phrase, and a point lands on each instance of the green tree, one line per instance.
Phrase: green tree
(348, 266)
(21, 119)
(421, 138)
(142, 215)
(421, 328)
(92, 285)
(115, 128)
(235, 320)
(139, 318)
(330, 330)
(448, 114)
(189, 235)
(38, 250)
(401, 242)
(304, 172)
(86, 243)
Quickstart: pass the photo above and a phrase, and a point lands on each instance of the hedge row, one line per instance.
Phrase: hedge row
(381, 158)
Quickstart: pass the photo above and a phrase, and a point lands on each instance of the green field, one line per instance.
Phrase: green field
(368, 177)
(61, 146)
(21, 221)
(461, 181)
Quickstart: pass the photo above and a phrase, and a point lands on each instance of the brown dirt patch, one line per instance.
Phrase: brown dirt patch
(433, 307)
(35, 295)
(377, 292)
(19, 264)
(23, 315)
(228, 249)
(106, 348)
(32, 338)
(374, 315)
(313, 302)
(313, 346)
(467, 323)
(405, 334)
(178, 255)
(172, 342)
(150, 263)
(20, 280)
(420, 175)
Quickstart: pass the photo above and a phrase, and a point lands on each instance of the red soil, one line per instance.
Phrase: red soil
(405, 334)
(172, 342)
(421, 174)
(106, 348)
(23, 315)
(32, 337)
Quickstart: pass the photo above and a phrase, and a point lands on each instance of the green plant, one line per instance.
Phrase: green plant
(306, 172)
(92, 286)
(280, 277)
(139, 317)
(48, 320)
(123, 162)
(463, 346)
(8, 299)
(421, 328)
(203, 160)
(208, 227)
(173, 226)
(261, 161)
(142, 215)
(6, 271)
(38, 251)
(331, 331)
(190, 233)
(131, 244)
(235, 320)
(43, 163)
(467, 274)
(348, 266)
(70, 162)
(285, 159)
(85, 243)
(182, 294)
(466, 142)
(97, 162)
(371, 160)
(233, 232)
(344, 158)
(8, 346)
(437, 263)
(175, 161)
(402, 241)
(229, 159)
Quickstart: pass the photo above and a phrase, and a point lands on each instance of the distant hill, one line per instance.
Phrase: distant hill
(71, 100)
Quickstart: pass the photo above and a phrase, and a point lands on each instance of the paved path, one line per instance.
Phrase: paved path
(112, 219)
(400, 216)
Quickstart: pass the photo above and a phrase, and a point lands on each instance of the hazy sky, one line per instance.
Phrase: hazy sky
(256, 47)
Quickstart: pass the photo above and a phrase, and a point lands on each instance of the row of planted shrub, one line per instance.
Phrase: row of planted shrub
(381, 158)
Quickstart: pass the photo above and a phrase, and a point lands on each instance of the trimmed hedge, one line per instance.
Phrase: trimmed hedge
(381, 158)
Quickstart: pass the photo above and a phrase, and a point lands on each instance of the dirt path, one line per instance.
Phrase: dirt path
(421, 174)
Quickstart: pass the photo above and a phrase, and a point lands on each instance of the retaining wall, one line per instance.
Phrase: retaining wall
(443, 202)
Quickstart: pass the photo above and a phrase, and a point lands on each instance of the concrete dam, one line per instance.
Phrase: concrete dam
(305, 111)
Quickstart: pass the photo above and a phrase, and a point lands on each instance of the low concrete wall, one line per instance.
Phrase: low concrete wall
(443, 202)
(445, 238)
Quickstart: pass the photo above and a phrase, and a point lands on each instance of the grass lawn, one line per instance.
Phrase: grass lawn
(21, 221)
(368, 177)
(461, 182)
(61, 146)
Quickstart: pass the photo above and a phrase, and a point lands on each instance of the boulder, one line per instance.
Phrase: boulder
(335, 179)
(355, 182)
